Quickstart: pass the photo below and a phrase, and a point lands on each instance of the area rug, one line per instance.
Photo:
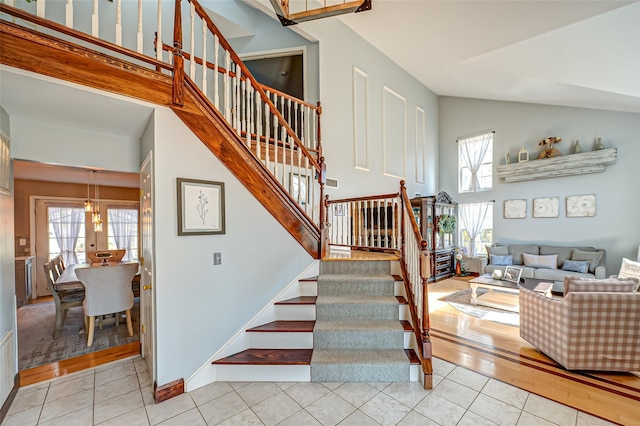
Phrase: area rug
(461, 300)
(36, 345)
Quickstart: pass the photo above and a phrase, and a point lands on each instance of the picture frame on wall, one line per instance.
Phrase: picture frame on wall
(581, 205)
(200, 207)
(545, 207)
(512, 274)
(515, 209)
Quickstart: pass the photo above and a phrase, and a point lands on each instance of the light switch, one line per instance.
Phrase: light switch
(217, 258)
(23, 241)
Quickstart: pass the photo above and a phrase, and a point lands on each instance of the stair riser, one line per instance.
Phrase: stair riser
(263, 373)
(356, 267)
(295, 312)
(333, 312)
(358, 339)
(277, 340)
(360, 373)
(354, 288)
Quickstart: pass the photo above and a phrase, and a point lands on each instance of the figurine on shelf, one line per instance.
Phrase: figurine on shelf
(548, 150)
(598, 145)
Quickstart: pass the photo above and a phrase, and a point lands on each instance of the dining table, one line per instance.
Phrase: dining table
(69, 281)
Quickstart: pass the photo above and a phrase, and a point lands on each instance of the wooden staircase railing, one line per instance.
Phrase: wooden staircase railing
(288, 148)
(386, 223)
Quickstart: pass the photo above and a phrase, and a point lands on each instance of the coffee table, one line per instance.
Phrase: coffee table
(502, 294)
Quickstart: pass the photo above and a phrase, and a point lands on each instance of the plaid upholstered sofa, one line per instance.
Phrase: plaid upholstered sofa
(595, 326)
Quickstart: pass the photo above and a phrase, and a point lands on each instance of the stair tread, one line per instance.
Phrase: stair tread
(358, 325)
(285, 326)
(406, 325)
(397, 277)
(300, 300)
(402, 300)
(413, 357)
(309, 279)
(268, 357)
(351, 278)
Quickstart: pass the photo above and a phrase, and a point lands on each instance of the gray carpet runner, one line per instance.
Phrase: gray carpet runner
(357, 336)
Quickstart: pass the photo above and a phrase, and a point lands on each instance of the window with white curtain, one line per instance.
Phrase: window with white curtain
(476, 226)
(475, 163)
(122, 230)
(66, 234)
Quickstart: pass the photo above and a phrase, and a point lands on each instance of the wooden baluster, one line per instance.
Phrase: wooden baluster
(227, 87)
(95, 20)
(216, 89)
(139, 36)
(249, 113)
(276, 135)
(159, 32)
(267, 134)
(258, 108)
(192, 36)
(68, 11)
(40, 8)
(178, 60)
(205, 68)
(119, 22)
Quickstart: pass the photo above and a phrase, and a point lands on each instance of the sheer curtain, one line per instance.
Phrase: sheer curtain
(67, 223)
(472, 217)
(124, 227)
(472, 152)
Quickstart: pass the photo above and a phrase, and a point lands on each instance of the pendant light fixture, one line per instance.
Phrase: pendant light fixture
(97, 221)
(88, 204)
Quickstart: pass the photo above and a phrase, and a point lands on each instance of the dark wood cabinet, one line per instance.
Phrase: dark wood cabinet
(437, 217)
(24, 279)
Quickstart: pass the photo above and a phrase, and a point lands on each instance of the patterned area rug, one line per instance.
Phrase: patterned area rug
(36, 345)
(461, 300)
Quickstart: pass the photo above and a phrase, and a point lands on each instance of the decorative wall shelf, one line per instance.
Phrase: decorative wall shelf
(564, 165)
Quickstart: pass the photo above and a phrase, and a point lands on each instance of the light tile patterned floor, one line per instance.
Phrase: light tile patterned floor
(120, 393)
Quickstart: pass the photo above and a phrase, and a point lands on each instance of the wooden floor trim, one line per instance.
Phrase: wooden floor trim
(72, 365)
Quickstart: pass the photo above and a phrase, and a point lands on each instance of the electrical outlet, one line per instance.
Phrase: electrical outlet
(217, 258)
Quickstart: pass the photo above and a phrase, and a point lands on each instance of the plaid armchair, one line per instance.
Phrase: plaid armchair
(596, 326)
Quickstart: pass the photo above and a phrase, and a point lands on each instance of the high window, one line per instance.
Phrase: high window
(475, 163)
(476, 226)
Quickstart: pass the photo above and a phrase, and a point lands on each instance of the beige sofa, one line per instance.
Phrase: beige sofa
(593, 327)
(534, 260)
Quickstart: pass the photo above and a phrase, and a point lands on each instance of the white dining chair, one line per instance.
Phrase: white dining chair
(107, 291)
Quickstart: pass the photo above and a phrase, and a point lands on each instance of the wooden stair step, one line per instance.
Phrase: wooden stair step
(285, 327)
(402, 300)
(268, 357)
(413, 357)
(309, 279)
(300, 300)
(406, 325)
(397, 278)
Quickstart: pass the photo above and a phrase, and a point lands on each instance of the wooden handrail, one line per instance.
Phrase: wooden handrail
(41, 22)
(363, 198)
(265, 99)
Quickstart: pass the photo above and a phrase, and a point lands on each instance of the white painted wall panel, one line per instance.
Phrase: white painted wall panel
(394, 133)
(360, 119)
(421, 147)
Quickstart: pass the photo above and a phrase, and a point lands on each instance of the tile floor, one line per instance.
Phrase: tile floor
(120, 394)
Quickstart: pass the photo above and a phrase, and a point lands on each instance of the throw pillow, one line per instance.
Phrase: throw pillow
(564, 253)
(592, 256)
(536, 261)
(581, 266)
(499, 250)
(516, 251)
(608, 285)
(499, 260)
(629, 269)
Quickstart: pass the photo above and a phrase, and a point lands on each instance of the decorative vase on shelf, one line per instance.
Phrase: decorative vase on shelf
(577, 149)
(598, 145)
(508, 158)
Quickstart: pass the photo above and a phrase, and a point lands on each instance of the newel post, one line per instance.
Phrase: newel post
(178, 59)
(324, 200)
(425, 273)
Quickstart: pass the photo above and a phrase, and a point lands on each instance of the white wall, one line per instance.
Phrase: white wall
(55, 144)
(200, 306)
(341, 50)
(7, 261)
(616, 225)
